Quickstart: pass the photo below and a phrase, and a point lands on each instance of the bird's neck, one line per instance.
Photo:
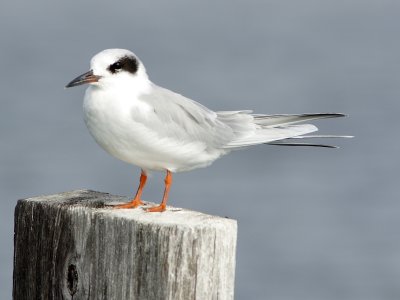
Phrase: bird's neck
(129, 86)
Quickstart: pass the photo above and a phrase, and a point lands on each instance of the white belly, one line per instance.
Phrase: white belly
(109, 120)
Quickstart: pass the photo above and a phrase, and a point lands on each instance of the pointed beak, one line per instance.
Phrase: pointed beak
(87, 77)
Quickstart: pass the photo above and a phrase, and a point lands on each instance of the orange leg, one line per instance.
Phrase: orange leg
(163, 204)
(137, 200)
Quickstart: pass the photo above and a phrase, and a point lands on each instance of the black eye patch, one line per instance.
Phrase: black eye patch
(126, 63)
(115, 67)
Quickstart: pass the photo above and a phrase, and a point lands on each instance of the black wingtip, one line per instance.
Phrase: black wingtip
(339, 115)
(328, 115)
(304, 145)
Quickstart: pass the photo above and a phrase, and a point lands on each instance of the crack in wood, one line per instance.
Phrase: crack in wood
(80, 249)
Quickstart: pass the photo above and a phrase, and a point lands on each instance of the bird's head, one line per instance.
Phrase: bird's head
(112, 67)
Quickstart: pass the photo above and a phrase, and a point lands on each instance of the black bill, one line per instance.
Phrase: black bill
(87, 77)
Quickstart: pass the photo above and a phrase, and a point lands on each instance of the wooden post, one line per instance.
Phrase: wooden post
(72, 246)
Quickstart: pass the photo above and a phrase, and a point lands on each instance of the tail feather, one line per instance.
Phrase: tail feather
(266, 135)
(253, 129)
(274, 120)
(288, 142)
(322, 136)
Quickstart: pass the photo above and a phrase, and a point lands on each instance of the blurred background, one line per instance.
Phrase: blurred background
(313, 223)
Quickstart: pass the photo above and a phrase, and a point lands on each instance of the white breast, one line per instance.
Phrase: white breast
(109, 117)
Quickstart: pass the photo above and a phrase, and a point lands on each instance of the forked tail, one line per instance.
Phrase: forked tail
(281, 130)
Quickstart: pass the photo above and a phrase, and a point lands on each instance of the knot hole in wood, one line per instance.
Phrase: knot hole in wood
(72, 279)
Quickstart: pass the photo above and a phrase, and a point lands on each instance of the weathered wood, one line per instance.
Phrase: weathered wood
(72, 246)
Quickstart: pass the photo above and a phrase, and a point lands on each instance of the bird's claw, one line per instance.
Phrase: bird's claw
(133, 204)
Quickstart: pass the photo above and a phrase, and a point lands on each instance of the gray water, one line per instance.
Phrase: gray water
(313, 223)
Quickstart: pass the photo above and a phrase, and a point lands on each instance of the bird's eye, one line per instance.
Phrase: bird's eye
(115, 66)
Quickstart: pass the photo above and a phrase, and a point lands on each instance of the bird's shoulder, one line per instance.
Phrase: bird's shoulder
(171, 106)
(172, 114)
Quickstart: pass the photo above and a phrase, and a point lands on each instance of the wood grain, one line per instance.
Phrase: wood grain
(72, 246)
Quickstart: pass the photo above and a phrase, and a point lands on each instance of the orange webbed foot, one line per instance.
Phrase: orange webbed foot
(158, 208)
(133, 204)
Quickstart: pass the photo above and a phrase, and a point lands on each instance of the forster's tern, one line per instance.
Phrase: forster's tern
(156, 129)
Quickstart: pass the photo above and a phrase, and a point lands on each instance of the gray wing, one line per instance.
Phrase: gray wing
(182, 119)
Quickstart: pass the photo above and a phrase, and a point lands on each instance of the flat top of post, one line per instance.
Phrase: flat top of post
(97, 202)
